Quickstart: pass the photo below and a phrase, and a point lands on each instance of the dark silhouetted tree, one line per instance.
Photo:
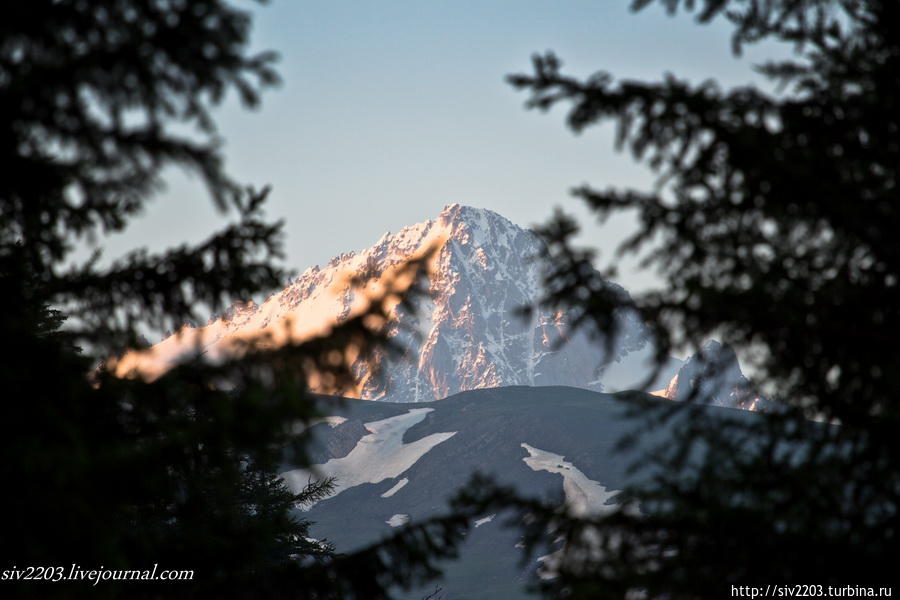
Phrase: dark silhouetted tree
(97, 98)
(774, 226)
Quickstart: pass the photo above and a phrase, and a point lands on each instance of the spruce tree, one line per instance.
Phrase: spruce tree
(773, 225)
(102, 471)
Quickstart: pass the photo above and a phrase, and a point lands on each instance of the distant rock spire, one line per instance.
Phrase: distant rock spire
(713, 376)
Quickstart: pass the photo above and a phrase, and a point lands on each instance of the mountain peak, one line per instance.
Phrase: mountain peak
(713, 376)
(467, 335)
(463, 334)
(462, 214)
(452, 207)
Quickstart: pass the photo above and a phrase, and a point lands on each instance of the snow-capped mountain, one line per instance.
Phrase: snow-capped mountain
(469, 333)
(471, 336)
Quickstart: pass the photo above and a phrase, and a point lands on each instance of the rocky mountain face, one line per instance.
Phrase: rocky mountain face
(713, 376)
(463, 334)
(471, 334)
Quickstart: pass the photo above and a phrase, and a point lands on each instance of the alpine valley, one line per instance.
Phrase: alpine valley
(476, 388)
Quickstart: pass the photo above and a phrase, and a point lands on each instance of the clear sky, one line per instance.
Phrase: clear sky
(390, 110)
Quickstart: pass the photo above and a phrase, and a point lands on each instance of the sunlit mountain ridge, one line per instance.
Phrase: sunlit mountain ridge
(464, 333)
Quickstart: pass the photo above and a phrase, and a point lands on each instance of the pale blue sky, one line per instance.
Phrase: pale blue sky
(390, 110)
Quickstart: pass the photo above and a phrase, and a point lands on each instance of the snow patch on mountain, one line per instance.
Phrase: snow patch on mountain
(378, 456)
(483, 520)
(396, 488)
(398, 520)
(583, 496)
